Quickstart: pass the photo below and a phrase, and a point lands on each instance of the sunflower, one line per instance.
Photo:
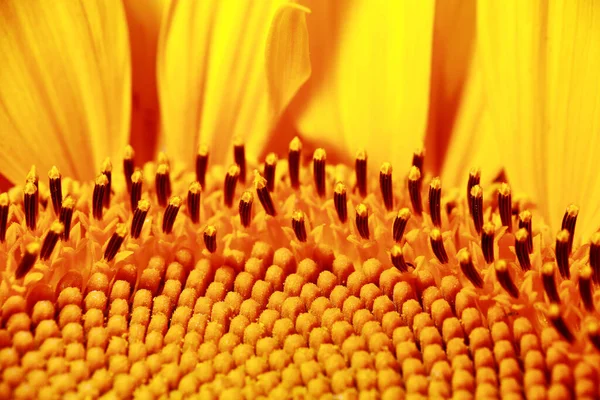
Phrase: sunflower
(246, 262)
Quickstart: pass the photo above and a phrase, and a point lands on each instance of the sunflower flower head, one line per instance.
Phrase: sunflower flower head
(231, 266)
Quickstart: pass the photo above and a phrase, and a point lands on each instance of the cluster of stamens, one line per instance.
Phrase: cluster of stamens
(161, 280)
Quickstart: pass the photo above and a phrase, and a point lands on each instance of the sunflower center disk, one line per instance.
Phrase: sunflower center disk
(153, 280)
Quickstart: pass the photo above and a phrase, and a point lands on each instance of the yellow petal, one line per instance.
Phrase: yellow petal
(472, 139)
(212, 74)
(541, 73)
(144, 19)
(370, 82)
(287, 58)
(453, 42)
(64, 85)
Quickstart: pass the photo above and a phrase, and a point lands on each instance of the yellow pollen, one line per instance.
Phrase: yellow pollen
(386, 168)
(361, 154)
(295, 144)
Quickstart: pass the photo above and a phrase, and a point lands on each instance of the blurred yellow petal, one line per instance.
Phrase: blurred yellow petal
(213, 74)
(144, 19)
(453, 42)
(64, 85)
(541, 71)
(370, 84)
(287, 58)
(471, 139)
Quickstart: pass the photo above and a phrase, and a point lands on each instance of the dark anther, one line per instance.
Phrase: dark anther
(360, 168)
(437, 245)
(559, 323)
(319, 161)
(54, 181)
(299, 225)
(107, 171)
(32, 251)
(504, 278)
(239, 156)
(340, 202)
(163, 184)
(569, 221)
(98, 196)
(474, 179)
(505, 205)
(269, 171)
(128, 166)
(385, 185)
(260, 184)
(521, 240)
(585, 288)
(400, 224)
(397, 258)
(201, 164)
(294, 153)
(468, 268)
(418, 158)
(115, 242)
(66, 215)
(362, 221)
(193, 201)
(231, 179)
(487, 242)
(550, 283)
(246, 208)
(30, 204)
(139, 216)
(562, 253)
(170, 214)
(54, 233)
(414, 189)
(435, 201)
(210, 238)
(476, 207)
(136, 189)
(4, 207)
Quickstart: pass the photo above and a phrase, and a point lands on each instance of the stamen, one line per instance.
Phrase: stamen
(66, 215)
(33, 177)
(562, 253)
(269, 171)
(397, 257)
(246, 208)
(294, 162)
(107, 171)
(170, 214)
(550, 283)
(435, 201)
(569, 221)
(360, 168)
(400, 224)
(32, 251)
(4, 206)
(467, 267)
(115, 242)
(476, 207)
(414, 189)
(385, 185)
(505, 205)
(299, 226)
(98, 196)
(139, 216)
(54, 233)
(559, 323)
(231, 179)
(585, 288)
(487, 242)
(521, 240)
(362, 221)
(54, 179)
(239, 156)
(202, 164)
(193, 201)
(503, 277)
(595, 256)
(437, 245)
(474, 179)
(210, 238)
(136, 188)
(30, 204)
(128, 166)
(593, 331)
(260, 184)
(418, 158)
(340, 202)
(525, 222)
(319, 161)
(163, 184)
